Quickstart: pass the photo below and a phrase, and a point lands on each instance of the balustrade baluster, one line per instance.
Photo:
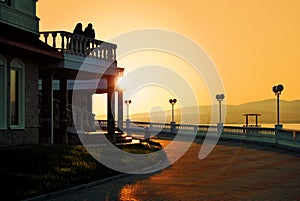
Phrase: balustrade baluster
(99, 54)
(54, 39)
(85, 47)
(81, 40)
(109, 52)
(72, 44)
(62, 42)
(102, 51)
(68, 45)
(114, 54)
(95, 46)
(76, 45)
(46, 37)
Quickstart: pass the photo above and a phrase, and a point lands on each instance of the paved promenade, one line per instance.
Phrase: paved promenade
(233, 171)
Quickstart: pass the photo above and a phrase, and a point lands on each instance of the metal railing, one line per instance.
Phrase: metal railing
(79, 45)
(82, 119)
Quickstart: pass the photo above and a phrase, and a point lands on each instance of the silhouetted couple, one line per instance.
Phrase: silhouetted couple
(88, 31)
(75, 43)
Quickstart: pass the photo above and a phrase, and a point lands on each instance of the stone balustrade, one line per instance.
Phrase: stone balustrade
(79, 45)
(280, 136)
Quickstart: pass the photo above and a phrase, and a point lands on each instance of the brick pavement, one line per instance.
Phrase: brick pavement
(233, 171)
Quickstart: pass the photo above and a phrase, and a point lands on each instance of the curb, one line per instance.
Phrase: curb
(75, 188)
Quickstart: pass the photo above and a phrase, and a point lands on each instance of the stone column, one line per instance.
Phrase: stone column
(89, 108)
(120, 109)
(63, 138)
(46, 117)
(110, 108)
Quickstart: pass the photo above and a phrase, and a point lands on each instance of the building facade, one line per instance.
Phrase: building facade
(37, 75)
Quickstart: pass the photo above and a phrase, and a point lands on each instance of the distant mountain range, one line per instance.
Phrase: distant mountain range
(289, 113)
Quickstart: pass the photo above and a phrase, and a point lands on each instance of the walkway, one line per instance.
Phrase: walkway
(233, 171)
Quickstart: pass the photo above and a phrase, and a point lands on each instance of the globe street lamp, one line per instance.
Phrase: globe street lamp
(220, 98)
(127, 102)
(277, 90)
(172, 102)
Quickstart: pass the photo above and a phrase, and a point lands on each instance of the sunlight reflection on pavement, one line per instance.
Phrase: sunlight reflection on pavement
(233, 171)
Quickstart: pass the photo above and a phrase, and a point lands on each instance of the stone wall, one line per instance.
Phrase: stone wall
(29, 135)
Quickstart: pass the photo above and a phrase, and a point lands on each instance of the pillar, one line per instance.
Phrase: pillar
(110, 108)
(89, 109)
(63, 88)
(120, 109)
(46, 134)
(256, 120)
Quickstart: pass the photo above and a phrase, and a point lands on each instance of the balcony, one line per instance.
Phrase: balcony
(19, 18)
(78, 45)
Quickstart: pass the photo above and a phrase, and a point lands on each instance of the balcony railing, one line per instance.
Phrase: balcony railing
(79, 45)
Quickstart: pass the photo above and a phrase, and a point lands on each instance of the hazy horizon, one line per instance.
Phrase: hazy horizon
(234, 114)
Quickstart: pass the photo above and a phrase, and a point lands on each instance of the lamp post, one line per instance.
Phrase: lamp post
(220, 98)
(172, 102)
(277, 90)
(127, 102)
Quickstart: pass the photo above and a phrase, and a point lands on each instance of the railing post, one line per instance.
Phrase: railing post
(85, 47)
(114, 54)
(76, 44)
(277, 133)
(81, 50)
(68, 46)
(109, 54)
(127, 123)
(220, 128)
(54, 39)
(46, 37)
(196, 130)
(62, 42)
(173, 127)
(72, 44)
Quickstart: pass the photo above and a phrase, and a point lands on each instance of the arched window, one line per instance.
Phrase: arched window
(3, 93)
(17, 94)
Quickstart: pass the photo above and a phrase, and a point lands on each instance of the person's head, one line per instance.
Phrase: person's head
(79, 26)
(90, 25)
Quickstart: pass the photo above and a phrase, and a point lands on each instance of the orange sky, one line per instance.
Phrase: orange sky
(254, 44)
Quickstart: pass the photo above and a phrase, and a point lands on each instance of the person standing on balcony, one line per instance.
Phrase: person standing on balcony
(77, 31)
(90, 33)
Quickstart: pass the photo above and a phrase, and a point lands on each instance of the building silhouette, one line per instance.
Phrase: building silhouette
(37, 76)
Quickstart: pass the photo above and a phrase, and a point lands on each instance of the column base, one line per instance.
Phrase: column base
(127, 123)
(219, 128)
(278, 126)
(173, 128)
